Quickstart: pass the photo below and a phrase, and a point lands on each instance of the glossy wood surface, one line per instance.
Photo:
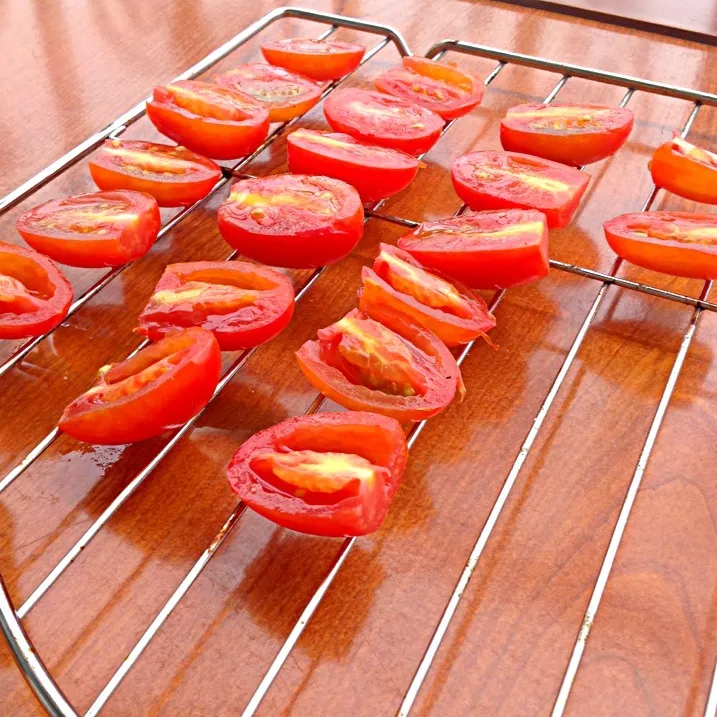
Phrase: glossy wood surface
(75, 67)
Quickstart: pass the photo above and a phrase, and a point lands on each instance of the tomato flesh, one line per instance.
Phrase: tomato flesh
(686, 170)
(318, 59)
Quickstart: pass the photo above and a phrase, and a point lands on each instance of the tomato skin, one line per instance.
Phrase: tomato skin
(318, 59)
(507, 184)
(158, 389)
(574, 142)
(685, 170)
(101, 240)
(375, 172)
(376, 118)
(248, 325)
(291, 232)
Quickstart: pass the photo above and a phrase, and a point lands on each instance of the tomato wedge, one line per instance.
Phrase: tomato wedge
(686, 170)
(485, 250)
(569, 133)
(34, 294)
(317, 59)
(375, 172)
(376, 118)
(331, 474)
(174, 176)
(677, 243)
(438, 87)
(160, 388)
(385, 364)
(93, 230)
(242, 304)
(504, 180)
(285, 94)
(214, 121)
(292, 220)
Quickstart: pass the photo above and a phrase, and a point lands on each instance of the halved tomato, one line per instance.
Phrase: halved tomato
(318, 59)
(242, 304)
(485, 250)
(34, 294)
(439, 87)
(568, 133)
(214, 121)
(292, 220)
(375, 172)
(677, 243)
(386, 364)
(375, 118)
(504, 180)
(685, 169)
(285, 94)
(174, 176)
(331, 474)
(93, 230)
(159, 388)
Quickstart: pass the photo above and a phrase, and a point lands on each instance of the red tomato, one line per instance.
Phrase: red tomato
(292, 220)
(677, 243)
(174, 176)
(211, 120)
(441, 88)
(386, 364)
(34, 294)
(242, 304)
(93, 230)
(376, 118)
(571, 134)
(686, 170)
(375, 172)
(160, 388)
(331, 474)
(318, 59)
(504, 180)
(285, 94)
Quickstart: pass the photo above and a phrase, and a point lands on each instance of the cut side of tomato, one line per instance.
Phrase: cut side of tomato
(93, 230)
(438, 87)
(375, 172)
(318, 59)
(158, 389)
(568, 133)
(243, 305)
(677, 243)
(505, 180)
(331, 474)
(292, 220)
(686, 170)
(376, 118)
(215, 121)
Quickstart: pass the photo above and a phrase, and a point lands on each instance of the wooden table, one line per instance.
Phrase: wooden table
(69, 70)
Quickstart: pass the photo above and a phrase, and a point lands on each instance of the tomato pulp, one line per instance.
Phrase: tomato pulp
(317, 59)
(686, 170)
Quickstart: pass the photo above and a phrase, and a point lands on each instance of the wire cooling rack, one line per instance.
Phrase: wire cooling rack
(11, 616)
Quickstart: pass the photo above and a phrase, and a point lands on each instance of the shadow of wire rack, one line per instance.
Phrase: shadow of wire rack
(11, 617)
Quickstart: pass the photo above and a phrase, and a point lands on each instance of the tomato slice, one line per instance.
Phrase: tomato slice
(376, 118)
(438, 87)
(677, 243)
(159, 388)
(504, 180)
(93, 230)
(242, 304)
(385, 364)
(174, 176)
(375, 172)
(292, 220)
(686, 170)
(331, 474)
(34, 294)
(318, 59)
(214, 121)
(486, 250)
(569, 133)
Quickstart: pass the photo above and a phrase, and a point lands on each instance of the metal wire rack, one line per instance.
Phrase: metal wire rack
(11, 617)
